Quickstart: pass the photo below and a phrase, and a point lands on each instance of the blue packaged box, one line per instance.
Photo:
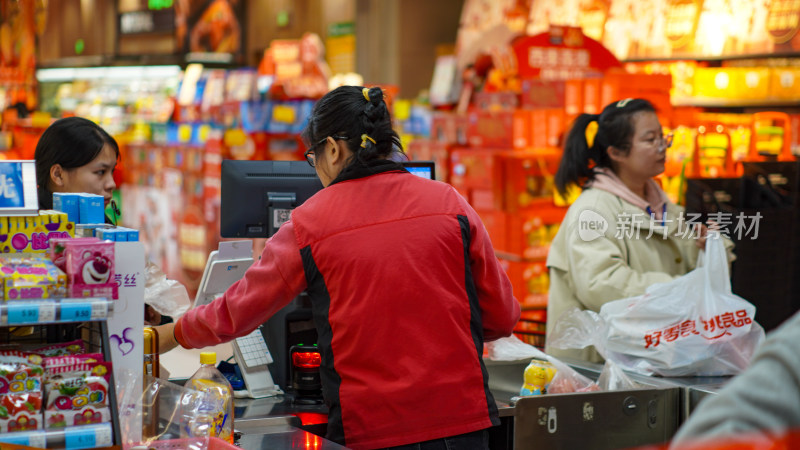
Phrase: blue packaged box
(91, 208)
(131, 234)
(121, 234)
(68, 203)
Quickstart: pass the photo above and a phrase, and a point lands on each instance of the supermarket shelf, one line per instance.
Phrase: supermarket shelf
(64, 310)
(84, 436)
(735, 103)
(754, 56)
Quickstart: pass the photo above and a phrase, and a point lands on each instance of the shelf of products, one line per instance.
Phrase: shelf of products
(57, 388)
(75, 437)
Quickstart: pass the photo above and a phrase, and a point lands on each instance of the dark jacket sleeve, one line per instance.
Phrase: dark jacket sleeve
(500, 311)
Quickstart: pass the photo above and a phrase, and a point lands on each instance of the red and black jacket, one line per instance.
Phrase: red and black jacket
(405, 288)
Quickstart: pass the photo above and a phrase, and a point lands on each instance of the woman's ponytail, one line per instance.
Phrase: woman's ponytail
(576, 160)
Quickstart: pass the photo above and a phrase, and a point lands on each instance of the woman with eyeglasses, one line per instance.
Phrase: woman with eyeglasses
(404, 285)
(622, 234)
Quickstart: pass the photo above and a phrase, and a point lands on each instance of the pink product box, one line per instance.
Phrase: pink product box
(90, 269)
(57, 251)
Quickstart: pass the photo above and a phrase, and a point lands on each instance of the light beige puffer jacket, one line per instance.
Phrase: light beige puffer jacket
(602, 253)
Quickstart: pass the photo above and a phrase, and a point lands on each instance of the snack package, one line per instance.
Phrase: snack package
(31, 234)
(21, 412)
(77, 395)
(20, 372)
(75, 347)
(57, 249)
(55, 364)
(90, 269)
(31, 278)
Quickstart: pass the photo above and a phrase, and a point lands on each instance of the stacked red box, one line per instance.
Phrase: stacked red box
(652, 87)
(530, 281)
(496, 129)
(473, 174)
(548, 126)
(527, 179)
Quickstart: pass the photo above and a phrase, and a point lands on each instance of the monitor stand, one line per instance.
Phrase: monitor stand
(224, 267)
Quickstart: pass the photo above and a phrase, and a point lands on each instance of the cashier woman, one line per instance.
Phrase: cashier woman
(622, 234)
(404, 285)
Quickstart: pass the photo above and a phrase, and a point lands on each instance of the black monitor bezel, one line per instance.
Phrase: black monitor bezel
(427, 164)
(239, 180)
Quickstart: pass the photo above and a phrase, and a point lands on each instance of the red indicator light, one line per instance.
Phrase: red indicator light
(306, 360)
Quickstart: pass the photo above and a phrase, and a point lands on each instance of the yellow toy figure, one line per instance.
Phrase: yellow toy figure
(537, 376)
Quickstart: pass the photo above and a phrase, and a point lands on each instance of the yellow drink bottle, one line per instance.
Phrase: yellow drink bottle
(217, 405)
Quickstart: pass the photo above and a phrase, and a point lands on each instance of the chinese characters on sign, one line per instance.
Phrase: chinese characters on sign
(712, 328)
(126, 280)
(738, 226)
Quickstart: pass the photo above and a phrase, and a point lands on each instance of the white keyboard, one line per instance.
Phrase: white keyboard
(253, 349)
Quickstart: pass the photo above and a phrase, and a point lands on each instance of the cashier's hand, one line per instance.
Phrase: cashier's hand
(166, 337)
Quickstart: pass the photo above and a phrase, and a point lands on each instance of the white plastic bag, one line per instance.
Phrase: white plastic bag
(166, 296)
(693, 325)
(566, 378)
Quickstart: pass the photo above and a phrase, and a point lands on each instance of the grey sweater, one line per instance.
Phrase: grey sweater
(764, 400)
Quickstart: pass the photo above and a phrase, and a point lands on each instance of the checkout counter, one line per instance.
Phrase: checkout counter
(607, 420)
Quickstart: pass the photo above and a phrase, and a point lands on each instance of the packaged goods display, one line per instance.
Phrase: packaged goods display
(77, 394)
(31, 234)
(31, 278)
(21, 391)
(89, 266)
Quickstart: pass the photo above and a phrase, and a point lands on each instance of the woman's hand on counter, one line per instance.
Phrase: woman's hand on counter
(166, 337)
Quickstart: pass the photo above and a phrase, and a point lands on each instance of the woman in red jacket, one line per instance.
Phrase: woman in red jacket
(404, 285)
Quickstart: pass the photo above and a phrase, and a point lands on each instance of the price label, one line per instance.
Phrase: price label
(37, 439)
(79, 437)
(75, 312)
(47, 312)
(102, 435)
(16, 438)
(23, 313)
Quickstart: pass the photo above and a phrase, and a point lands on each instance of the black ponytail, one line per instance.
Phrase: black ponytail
(615, 128)
(362, 116)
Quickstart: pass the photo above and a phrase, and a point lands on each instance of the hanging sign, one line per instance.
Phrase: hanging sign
(560, 54)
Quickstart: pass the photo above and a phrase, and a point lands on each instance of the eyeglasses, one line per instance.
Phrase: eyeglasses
(310, 153)
(664, 142)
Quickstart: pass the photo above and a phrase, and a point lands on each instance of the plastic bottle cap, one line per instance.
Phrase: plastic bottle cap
(208, 358)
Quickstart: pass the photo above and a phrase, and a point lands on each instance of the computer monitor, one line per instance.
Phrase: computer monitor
(424, 169)
(258, 196)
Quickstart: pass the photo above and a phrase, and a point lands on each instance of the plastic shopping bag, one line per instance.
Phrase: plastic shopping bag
(693, 325)
(565, 380)
(166, 296)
